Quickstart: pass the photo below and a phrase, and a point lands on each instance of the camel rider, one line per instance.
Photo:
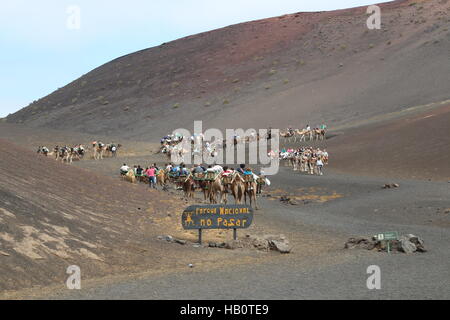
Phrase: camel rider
(175, 170)
(226, 171)
(199, 169)
(183, 171)
(241, 169)
(269, 133)
(308, 127)
(124, 169)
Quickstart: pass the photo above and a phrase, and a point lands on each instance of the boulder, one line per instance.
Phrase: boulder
(280, 246)
(234, 244)
(168, 238)
(418, 242)
(407, 246)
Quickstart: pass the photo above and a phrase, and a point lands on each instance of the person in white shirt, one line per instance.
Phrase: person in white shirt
(124, 169)
(319, 164)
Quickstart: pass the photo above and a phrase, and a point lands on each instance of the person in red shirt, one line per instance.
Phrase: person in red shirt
(151, 174)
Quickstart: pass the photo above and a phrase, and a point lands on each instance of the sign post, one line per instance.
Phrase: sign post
(217, 216)
(388, 237)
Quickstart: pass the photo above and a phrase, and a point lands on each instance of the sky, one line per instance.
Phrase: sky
(46, 44)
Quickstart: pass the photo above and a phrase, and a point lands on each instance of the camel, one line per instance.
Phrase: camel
(319, 134)
(302, 134)
(217, 190)
(287, 135)
(237, 188)
(161, 178)
(43, 150)
(250, 190)
(204, 186)
(260, 182)
(227, 181)
(111, 150)
(99, 149)
(130, 177)
(188, 187)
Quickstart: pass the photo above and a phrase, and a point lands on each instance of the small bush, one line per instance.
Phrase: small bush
(176, 105)
(272, 72)
(226, 101)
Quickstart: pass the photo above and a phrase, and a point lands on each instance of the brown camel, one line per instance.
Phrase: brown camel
(161, 178)
(217, 190)
(188, 187)
(130, 177)
(250, 190)
(237, 188)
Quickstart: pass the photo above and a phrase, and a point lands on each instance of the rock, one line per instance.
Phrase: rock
(360, 243)
(260, 244)
(418, 242)
(179, 241)
(386, 186)
(4, 254)
(190, 265)
(293, 202)
(281, 246)
(212, 245)
(168, 238)
(196, 246)
(221, 245)
(234, 244)
(395, 185)
(407, 246)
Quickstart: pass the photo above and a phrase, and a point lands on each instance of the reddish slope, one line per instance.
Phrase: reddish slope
(293, 69)
(414, 147)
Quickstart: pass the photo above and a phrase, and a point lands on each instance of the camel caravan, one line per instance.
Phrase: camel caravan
(305, 159)
(65, 153)
(78, 152)
(101, 150)
(216, 183)
(306, 134)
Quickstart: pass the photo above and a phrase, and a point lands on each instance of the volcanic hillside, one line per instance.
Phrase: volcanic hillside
(289, 70)
(53, 215)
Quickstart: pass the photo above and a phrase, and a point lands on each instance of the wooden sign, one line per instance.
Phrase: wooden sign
(217, 216)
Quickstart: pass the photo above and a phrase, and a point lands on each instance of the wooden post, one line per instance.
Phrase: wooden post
(234, 234)
(200, 236)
